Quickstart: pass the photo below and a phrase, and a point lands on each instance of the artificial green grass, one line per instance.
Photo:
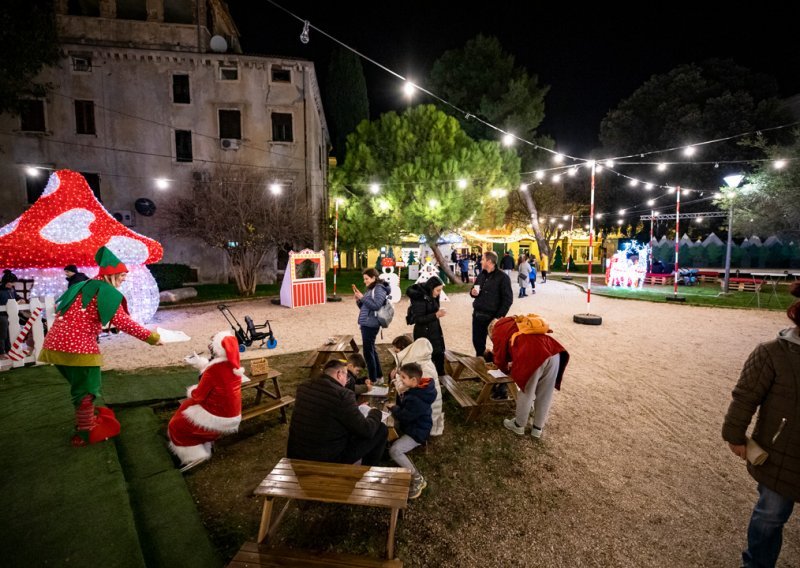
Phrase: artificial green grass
(61, 506)
(167, 383)
(168, 523)
(698, 295)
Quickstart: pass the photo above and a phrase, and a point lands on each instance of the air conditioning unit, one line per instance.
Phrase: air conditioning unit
(229, 143)
(201, 176)
(125, 217)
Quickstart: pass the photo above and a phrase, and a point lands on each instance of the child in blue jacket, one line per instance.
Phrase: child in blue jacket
(412, 416)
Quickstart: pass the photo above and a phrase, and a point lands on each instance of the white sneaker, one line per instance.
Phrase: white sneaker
(380, 382)
(511, 424)
(536, 432)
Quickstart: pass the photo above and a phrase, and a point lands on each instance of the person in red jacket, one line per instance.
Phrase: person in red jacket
(535, 361)
(214, 406)
(71, 344)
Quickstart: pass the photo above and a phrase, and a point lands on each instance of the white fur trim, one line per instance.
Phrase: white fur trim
(190, 390)
(199, 416)
(245, 379)
(188, 454)
(239, 371)
(216, 345)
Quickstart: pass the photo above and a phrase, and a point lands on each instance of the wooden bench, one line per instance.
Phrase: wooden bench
(276, 401)
(252, 554)
(462, 398)
(661, 279)
(743, 284)
(474, 368)
(461, 367)
(342, 346)
(385, 487)
(707, 275)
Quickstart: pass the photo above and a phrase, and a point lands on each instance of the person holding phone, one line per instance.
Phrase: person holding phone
(424, 313)
(368, 303)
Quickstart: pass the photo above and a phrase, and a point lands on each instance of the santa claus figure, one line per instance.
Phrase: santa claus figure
(214, 406)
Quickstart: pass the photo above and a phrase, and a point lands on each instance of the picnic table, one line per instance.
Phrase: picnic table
(337, 347)
(466, 368)
(385, 487)
(258, 381)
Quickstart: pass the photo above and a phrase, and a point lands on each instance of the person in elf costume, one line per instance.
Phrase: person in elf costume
(214, 406)
(71, 344)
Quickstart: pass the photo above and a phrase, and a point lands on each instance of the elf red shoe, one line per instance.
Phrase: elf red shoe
(107, 426)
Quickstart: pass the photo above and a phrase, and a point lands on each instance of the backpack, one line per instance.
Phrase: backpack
(409, 316)
(531, 324)
(385, 313)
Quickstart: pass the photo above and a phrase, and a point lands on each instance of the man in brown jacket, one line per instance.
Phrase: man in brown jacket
(770, 383)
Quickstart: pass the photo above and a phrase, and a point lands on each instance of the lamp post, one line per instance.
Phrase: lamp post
(336, 258)
(732, 183)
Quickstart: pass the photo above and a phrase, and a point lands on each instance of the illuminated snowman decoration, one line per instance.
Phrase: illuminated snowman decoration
(425, 274)
(388, 275)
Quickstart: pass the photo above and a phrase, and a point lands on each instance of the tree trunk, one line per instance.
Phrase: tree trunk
(437, 254)
(541, 241)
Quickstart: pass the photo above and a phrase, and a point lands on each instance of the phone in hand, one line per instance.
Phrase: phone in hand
(355, 288)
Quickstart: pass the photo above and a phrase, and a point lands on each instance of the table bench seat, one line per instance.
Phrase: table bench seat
(462, 398)
(265, 407)
(342, 346)
(251, 555)
(385, 487)
(275, 399)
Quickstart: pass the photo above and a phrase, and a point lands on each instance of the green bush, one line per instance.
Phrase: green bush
(170, 276)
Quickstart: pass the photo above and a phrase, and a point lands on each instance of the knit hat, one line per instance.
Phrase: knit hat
(108, 262)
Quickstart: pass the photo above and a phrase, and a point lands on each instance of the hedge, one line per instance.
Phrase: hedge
(170, 276)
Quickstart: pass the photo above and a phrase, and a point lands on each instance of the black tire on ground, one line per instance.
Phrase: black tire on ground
(276, 301)
(334, 298)
(587, 319)
(675, 298)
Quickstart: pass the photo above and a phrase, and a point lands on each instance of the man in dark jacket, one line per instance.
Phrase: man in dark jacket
(73, 276)
(493, 298)
(507, 263)
(770, 385)
(327, 424)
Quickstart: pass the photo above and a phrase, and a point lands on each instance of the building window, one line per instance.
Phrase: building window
(282, 127)
(132, 10)
(228, 73)
(84, 117)
(183, 145)
(230, 124)
(94, 182)
(83, 8)
(179, 12)
(82, 63)
(180, 89)
(31, 116)
(281, 75)
(34, 185)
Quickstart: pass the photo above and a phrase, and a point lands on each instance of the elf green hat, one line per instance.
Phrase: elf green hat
(108, 262)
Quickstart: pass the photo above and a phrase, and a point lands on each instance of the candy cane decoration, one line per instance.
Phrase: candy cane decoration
(18, 353)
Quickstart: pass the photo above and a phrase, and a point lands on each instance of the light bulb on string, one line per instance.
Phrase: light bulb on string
(304, 34)
(557, 177)
(508, 140)
(523, 187)
(433, 203)
(662, 167)
(539, 174)
(162, 183)
(409, 89)
(685, 192)
(462, 184)
(622, 211)
(651, 202)
(689, 151)
(565, 217)
(598, 168)
(648, 186)
(779, 164)
(558, 158)
(32, 172)
(620, 221)
(275, 188)
(609, 164)
(374, 188)
(572, 172)
(633, 182)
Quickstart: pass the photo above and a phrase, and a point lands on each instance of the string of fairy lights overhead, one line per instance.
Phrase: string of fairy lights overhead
(555, 174)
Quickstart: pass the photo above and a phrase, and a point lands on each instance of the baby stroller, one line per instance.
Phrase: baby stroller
(246, 338)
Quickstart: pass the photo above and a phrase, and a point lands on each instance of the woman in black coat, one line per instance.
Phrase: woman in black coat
(424, 313)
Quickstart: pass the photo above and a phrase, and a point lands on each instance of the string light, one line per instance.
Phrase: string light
(648, 186)
(609, 164)
(433, 203)
(374, 188)
(539, 174)
(462, 184)
(508, 140)
(633, 182)
(689, 151)
(557, 178)
(558, 158)
(409, 89)
(304, 34)
(662, 167)
(779, 164)
(275, 188)
(572, 172)
(523, 187)
(32, 172)
(162, 183)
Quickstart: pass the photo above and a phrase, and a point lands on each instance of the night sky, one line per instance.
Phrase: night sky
(591, 58)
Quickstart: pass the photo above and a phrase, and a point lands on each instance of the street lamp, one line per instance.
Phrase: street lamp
(732, 183)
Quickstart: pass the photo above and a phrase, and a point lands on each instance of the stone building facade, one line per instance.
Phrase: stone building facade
(154, 96)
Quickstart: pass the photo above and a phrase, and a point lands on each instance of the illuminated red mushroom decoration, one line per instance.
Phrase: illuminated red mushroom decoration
(67, 225)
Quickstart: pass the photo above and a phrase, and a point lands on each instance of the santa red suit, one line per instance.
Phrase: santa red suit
(214, 406)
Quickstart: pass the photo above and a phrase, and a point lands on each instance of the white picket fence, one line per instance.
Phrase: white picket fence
(40, 310)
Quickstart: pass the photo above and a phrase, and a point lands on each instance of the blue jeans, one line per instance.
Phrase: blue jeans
(765, 533)
(368, 336)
